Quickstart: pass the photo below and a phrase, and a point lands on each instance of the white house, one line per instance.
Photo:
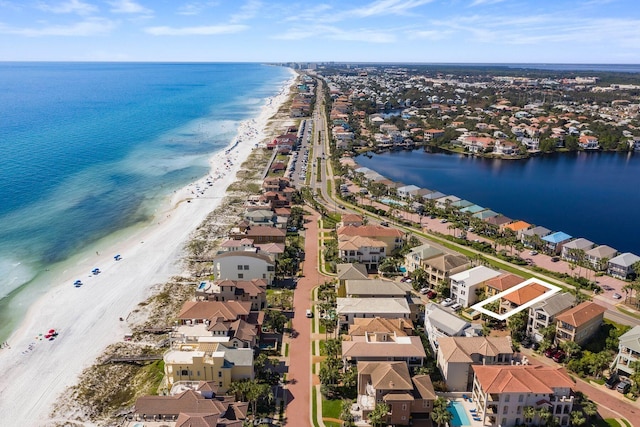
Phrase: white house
(465, 284)
(387, 308)
(407, 191)
(243, 266)
(622, 265)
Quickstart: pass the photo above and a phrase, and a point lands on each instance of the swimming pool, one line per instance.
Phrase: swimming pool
(392, 202)
(459, 415)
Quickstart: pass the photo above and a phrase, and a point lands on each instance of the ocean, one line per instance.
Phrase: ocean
(89, 149)
(590, 195)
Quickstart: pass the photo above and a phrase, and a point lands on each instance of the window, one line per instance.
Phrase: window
(521, 398)
(504, 422)
(240, 276)
(219, 374)
(239, 267)
(246, 267)
(184, 372)
(505, 409)
(404, 408)
(507, 397)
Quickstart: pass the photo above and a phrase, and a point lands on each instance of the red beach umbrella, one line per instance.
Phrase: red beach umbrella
(52, 331)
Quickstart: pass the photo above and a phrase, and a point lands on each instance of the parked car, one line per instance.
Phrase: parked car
(526, 342)
(444, 221)
(456, 306)
(559, 356)
(309, 313)
(533, 252)
(623, 386)
(555, 258)
(550, 352)
(431, 294)
(384, 224)
(535, 346)
(424, 291)
(612, 381)
(617, 296)
(446, 302)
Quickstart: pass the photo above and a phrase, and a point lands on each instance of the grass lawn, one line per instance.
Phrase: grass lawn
(331, 409)
(286, 350)
(323, 348)
(314, 407)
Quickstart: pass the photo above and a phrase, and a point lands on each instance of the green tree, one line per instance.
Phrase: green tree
(577, 418)
(518, 325)
(345, 415)
(590, 409)
(529, 414)
(440, 413)
(274, 319)
(571, 348)
(544, 414)
(378, 416)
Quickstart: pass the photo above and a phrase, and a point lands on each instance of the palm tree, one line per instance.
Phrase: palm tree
(577, 418)
(544, 414)
(589, 408)
(440, 413)
(378, 416)
(346, 416)
(571, 348)
(529, 414)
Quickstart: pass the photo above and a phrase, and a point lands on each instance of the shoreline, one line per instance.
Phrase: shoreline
(87, 318)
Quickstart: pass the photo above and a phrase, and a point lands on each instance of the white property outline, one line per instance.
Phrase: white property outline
(480, 306)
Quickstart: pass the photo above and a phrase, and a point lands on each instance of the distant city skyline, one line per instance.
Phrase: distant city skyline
(453, 31)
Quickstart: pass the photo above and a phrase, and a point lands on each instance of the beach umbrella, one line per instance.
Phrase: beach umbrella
(52, 331)
(47, 336)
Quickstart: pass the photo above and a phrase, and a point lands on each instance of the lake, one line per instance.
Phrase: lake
(591, 195)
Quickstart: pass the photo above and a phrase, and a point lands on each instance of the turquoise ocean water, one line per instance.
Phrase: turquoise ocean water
(87, 149)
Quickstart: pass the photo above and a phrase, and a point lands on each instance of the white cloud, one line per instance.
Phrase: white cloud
(484, 2)
(129, 6)
(429, 34)
(388, 7)
(248, 10)
(333, 33)
(196, 31)
(87, 28)
(70, 6)
(195, 8)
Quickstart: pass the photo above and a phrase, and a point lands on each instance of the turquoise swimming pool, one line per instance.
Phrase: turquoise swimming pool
(459, 415)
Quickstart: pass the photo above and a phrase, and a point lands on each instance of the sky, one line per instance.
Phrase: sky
(451, 31)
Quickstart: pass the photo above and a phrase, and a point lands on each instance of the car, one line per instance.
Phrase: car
(555, 258)
(384, 224)
(309, 312)
(470, 229)
(529, 261)
(341, 207)
(559, 356)
(456, 306)
(424, 291)
(550, 352)
(431, 294)
(535, 346)
(607, 288)
(623, 386)
(292, 229)
(617, 296)
(526, 342)
(446, 302)
(432, 217)
(444, 221)
(533, 252)
(612, 381)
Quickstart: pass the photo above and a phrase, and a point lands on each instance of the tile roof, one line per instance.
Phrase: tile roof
(504, 281)
(518, 225)
(397, 326)
(372, 305)
(402, 347)
(525, 294)
(387, 375)
(521, 378)
(424, 387)
(581, 314)
(200, 310)
(631, 339)
(555, 304)
(625, 260)
(351, 271)
(369, 231)
(461, 349)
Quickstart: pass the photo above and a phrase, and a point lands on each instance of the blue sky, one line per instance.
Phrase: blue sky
(479, 31)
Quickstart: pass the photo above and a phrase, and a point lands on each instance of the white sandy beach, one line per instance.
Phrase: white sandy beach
(36, 371)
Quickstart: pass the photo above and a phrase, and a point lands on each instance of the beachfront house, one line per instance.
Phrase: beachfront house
(599, 256)
(622, 265)
(555, 241)
(501, 394)
(501, 283)
(392, 237)
(208, 362)
(530, 237)
(407, 191)
(570, 249)
(253, 291)
(628, 352)
(243, 266)
(196, 404)
(457, 354)
(579, 323)
(466, 285)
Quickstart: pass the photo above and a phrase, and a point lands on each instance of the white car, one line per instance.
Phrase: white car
(456, 306)
(446, 302)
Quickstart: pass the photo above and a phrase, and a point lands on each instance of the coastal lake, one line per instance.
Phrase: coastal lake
(590, 195)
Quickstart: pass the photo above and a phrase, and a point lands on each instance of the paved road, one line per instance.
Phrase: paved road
(611, 404)
(299, 377)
